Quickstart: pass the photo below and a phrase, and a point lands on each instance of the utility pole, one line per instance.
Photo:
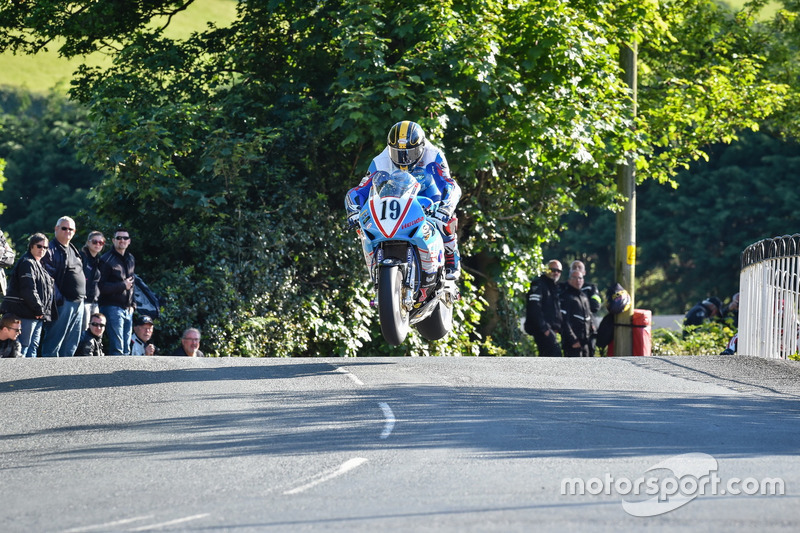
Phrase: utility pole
(625, 262)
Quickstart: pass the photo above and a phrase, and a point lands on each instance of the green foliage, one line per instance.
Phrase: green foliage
(690, 238)
(227, 152)
(710, 338)
(44, 178)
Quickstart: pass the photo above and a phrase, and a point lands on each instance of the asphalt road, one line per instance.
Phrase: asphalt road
(414, 444)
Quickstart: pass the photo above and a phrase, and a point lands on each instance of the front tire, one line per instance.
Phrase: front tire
(393, 316)
(438, 324)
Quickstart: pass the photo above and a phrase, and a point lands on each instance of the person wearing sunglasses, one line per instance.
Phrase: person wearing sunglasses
(64, 264)
(91, 253)
(116, 301)
(190, 344)
(31, 295)
(10, 327)
(92, 341)
(543, 311)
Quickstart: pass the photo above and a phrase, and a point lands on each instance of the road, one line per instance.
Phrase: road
(399, 444)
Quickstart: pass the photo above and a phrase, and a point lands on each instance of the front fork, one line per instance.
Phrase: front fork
(409, 279)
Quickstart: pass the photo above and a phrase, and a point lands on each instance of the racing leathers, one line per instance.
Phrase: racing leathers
(432, 165)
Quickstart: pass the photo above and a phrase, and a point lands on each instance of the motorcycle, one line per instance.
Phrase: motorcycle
(401, 246)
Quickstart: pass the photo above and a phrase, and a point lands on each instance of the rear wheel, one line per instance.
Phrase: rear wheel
(392, 314)
(438, 324)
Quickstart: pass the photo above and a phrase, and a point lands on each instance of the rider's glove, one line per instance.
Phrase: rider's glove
(444, 214)
(352, 220)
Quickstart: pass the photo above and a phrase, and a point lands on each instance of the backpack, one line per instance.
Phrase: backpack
(7, 256)
(147, 302)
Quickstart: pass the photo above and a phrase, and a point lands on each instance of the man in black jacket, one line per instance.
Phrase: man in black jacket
(64, 264)
(577, 326)
(92, 343)
(543, 312)
(116, 293)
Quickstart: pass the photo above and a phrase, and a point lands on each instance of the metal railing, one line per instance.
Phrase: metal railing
(769, 298)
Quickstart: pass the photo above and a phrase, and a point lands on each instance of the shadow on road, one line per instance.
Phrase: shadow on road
(496, 422)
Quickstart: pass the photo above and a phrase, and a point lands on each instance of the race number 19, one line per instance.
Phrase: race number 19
(394, 210)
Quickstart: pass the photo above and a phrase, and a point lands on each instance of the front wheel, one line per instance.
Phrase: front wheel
(393, 316)
(438, 324)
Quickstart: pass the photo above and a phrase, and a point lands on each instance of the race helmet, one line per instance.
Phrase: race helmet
(406, 142)
(619, 300)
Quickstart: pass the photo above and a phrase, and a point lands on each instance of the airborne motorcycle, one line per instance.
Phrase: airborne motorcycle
(403, 249)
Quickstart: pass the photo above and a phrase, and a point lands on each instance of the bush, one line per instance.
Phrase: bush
(710, 338)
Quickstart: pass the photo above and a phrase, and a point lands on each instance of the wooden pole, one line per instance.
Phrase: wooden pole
(625, 263)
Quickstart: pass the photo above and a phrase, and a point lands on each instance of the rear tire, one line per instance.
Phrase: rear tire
(392, 314)
(438, 324)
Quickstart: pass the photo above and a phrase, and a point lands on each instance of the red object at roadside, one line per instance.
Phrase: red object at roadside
(641, 326)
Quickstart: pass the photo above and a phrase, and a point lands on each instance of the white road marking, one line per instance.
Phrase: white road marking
(350, 375)
(327, 476)
(171, 522)
(108, 525)
(390, 420)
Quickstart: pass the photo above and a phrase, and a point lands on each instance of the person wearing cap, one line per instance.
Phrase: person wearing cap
(142, 333)
(543, 311)
(702, 312)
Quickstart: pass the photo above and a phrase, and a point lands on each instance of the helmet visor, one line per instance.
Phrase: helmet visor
(406, 157)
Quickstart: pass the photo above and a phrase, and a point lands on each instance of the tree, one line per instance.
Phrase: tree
(44, 177)
(247, 137)
(691, 237)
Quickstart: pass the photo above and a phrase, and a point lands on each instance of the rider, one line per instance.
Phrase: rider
(408, 150)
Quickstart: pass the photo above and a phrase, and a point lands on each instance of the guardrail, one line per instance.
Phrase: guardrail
(769, 298)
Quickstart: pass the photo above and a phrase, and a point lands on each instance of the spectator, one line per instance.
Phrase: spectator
(702, 312)
(7, 256)
(731, 311)
(92, 342)
(10, 328)
(543, 312)
(31, 295)
(64, 264)
(595, 301)
(142, 332)
(576, 316)
(190, 344)
(90, 254)
(116, 293)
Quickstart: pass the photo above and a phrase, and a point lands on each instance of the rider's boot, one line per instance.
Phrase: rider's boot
(452, 264)
(426, 288)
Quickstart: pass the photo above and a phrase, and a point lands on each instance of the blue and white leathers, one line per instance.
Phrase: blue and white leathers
(432, 163)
